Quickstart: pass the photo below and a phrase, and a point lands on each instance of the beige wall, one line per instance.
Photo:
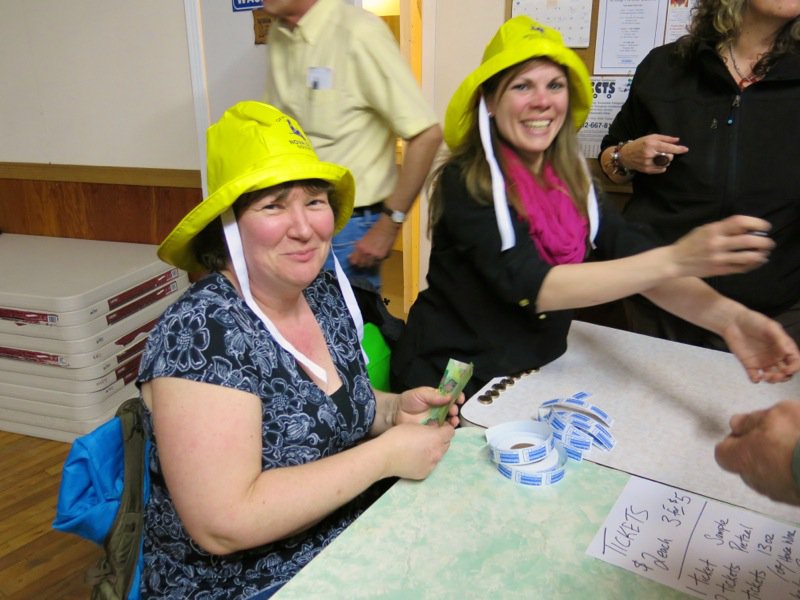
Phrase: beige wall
(108, 82)
(96, 82)
(455, 32)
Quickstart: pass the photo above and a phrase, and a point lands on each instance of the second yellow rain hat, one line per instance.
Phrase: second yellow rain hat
(253, 146)
(517, 40)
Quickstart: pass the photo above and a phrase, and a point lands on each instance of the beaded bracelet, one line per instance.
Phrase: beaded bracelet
(616, 164)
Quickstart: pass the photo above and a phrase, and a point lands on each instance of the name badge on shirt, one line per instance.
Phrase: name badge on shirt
(319, 78)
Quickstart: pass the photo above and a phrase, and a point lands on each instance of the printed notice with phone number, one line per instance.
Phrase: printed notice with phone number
(609, 94)
(702, 547)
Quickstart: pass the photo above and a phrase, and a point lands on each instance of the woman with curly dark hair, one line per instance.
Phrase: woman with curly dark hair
(711, 128)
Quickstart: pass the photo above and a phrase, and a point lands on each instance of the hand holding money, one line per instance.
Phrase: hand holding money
(455, 378)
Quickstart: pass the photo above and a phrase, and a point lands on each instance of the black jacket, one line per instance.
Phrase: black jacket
(480, 304)
(744, 157)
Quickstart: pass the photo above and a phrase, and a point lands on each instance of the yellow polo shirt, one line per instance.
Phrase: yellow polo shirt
(341, 75)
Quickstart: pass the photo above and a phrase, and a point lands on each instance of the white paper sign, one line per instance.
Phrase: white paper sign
(701, 547)
(609, 94)
(626, 31)
(679, 15)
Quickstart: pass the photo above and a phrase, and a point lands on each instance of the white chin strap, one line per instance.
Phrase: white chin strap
(501, 212)
(234, 241)
(592, 208)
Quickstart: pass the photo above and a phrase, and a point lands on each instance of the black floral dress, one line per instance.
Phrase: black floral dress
(210, 335)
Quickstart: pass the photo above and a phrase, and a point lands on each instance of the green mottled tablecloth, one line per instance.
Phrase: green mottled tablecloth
(467, 532)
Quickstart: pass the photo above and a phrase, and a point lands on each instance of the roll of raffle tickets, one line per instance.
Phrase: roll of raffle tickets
(535, 452)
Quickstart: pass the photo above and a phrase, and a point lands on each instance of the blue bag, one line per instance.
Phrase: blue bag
(104, 487)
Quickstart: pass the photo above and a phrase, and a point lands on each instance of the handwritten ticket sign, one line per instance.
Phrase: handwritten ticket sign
(702, 547)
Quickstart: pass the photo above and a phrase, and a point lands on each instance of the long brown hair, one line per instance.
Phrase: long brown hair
(563, 154)
(718, 22)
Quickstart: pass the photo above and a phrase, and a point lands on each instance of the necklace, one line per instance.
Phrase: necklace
(743, 81)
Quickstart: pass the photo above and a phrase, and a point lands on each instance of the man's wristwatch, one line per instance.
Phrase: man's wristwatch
(396, 216)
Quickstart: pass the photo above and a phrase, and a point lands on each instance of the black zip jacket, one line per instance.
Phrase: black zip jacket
(744, 158)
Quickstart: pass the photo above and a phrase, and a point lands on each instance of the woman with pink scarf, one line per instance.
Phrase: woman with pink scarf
(520, 238)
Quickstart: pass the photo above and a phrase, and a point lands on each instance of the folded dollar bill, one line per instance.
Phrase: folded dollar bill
(456, 375)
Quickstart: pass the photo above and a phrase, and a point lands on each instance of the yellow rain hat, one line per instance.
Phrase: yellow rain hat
(253, 146)
(517, 40)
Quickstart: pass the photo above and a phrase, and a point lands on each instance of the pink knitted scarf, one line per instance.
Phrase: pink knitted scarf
(554, 223)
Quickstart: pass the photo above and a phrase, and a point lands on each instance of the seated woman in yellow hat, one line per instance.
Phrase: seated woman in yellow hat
(266, 435)
(514, 218)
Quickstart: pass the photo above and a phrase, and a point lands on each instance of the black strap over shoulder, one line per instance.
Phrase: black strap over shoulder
(373, 310)
(114, 573)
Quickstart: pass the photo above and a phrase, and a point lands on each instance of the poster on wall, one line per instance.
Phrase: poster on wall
(573, 18)
(609, 94)
(678, 18)
(626, 31)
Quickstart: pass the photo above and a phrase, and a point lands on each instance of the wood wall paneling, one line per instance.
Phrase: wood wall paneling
(140, 212)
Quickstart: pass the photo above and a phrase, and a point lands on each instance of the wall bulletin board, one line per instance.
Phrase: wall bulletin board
(571, 12)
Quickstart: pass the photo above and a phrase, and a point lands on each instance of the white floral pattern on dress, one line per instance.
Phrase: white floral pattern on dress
(210, 335)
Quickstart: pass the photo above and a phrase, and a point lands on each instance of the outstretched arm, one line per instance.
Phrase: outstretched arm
(669, 277)
(720, 248)
(765, 350)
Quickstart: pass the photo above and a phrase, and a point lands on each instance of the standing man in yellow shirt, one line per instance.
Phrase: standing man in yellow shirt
(338, 70)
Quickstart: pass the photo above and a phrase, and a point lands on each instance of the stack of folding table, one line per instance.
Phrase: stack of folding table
(74, 319)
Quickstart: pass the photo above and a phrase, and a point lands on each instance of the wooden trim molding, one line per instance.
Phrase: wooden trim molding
(177, 178)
